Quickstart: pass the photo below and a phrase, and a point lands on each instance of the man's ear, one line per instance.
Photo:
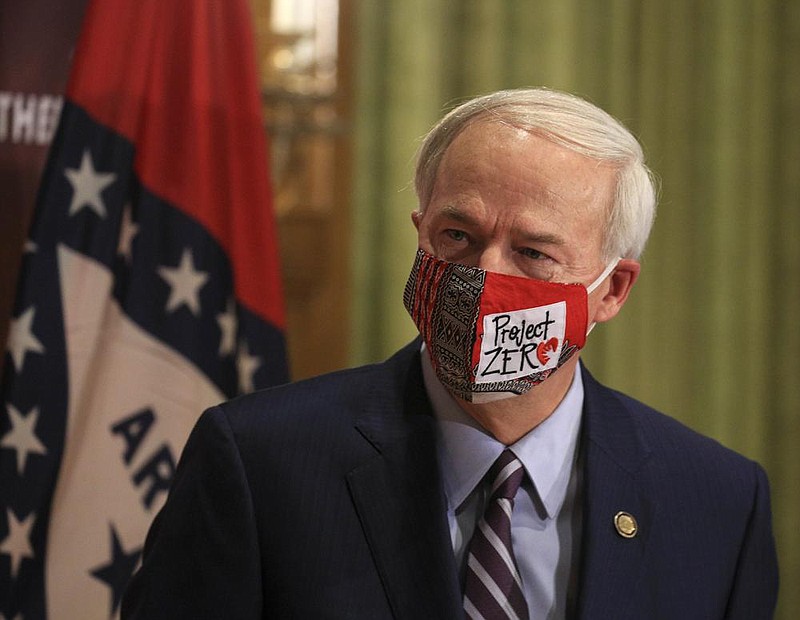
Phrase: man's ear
(416, 216)
(619, 286)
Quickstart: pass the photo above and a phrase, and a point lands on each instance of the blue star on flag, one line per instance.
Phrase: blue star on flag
(118, 571)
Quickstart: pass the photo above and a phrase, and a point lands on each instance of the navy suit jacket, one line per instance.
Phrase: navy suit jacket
(323, 499)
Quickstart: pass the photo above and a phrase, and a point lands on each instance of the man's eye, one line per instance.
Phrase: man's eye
(531, 253)
(456, 235)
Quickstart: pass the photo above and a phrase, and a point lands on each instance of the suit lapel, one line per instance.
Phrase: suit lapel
(399, 498)
(615, 458)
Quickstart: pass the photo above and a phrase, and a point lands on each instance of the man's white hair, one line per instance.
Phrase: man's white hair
(571, 122)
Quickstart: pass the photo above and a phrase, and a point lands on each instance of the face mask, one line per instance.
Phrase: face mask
(489, 335)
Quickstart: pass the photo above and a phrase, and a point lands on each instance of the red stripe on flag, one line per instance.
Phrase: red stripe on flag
(195, 120)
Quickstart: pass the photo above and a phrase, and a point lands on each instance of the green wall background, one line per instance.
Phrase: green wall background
(712, 88)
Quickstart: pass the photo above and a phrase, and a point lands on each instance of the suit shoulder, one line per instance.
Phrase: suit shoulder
(679, 452)
(618, 422)
(659, 426)
(332, 398)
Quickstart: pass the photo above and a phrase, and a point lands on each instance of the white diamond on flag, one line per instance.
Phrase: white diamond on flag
(115, 369)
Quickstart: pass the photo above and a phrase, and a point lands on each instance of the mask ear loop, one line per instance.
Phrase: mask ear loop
(606, 272)
(589, 289)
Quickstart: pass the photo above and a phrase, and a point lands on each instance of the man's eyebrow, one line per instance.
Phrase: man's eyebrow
(459, 215)
(548, 238)
(453, 212)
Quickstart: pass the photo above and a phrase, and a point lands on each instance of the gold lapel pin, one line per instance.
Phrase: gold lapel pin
(625, 524)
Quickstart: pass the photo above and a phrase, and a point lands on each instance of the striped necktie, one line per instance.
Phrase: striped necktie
(493, 588)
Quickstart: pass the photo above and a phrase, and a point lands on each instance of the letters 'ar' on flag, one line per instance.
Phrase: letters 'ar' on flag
(149, 291)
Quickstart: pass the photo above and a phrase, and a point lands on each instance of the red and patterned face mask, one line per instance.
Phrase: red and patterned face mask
(489, 335)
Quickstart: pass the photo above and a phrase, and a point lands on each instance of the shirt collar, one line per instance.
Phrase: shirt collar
(467, 451)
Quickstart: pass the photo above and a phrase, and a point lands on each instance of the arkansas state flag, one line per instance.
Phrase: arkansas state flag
(149, 291)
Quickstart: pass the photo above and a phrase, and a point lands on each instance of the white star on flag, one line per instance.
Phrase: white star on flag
(247, 365)
(185, 283)
(22, 436)
(17, 544)
(227, 325)
(127, 232)
(21, 338)
(30, 247)
(88, 184)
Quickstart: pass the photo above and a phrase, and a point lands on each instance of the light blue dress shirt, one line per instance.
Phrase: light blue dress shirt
(545, 523)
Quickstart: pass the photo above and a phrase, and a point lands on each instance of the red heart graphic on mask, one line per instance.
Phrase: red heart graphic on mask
(545, 348)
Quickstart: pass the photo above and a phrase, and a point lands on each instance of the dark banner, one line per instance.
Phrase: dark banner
(37, 38)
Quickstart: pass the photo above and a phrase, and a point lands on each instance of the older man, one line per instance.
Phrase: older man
(481, 470)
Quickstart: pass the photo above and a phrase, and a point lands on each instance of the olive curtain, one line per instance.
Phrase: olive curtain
(711, 334)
